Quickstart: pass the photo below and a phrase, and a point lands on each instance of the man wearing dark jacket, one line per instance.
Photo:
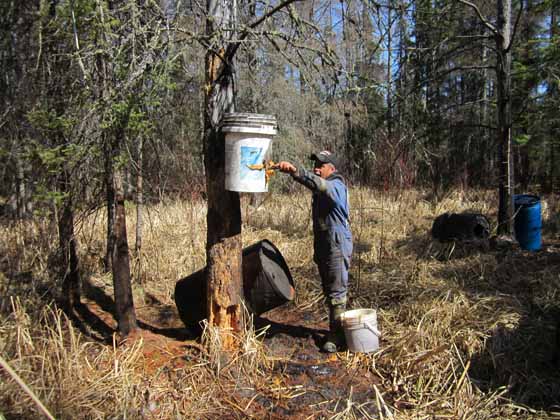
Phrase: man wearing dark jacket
(332, 242)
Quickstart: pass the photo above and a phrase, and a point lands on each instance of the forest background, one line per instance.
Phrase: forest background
(404, 92)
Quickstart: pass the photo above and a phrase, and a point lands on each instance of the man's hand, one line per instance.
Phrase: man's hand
(287, 167)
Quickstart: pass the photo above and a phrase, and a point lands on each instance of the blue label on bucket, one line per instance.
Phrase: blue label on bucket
(251, 156)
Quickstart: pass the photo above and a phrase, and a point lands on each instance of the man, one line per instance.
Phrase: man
(332, 242)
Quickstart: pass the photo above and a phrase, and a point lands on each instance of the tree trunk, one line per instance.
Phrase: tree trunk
(223, 247)
(20, 187)
(552, 91)
(71, 285)
(485, 162)
(139, 196)
(223, 242)
(402, 80)
(505, 149)
(124, 304)
(389, 75)
(110, 197)
(117, 256)
(523, 163)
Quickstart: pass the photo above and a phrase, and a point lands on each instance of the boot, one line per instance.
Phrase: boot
(335, 340)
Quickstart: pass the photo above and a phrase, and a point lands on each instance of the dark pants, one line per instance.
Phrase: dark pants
(332, 256)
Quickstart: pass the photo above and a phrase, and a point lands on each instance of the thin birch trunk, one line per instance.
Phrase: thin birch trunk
(139, 196)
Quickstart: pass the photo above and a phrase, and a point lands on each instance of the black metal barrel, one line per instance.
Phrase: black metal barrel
(267, 284)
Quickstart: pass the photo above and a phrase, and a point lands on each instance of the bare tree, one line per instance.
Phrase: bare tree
(502, 33)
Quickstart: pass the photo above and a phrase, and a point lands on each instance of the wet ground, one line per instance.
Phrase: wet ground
(303, 382)
(320, 384)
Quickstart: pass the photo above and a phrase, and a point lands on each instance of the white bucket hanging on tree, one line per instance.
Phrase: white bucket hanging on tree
(248, 139)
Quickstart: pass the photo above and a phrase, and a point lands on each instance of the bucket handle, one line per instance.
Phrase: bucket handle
(372, 328)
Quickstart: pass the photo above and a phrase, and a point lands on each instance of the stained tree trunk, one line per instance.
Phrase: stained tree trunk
(505, 149)
(223, 247)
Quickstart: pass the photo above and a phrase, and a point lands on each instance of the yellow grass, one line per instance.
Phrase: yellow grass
(449, 324)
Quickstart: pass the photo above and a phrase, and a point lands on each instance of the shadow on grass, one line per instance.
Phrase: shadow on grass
(526, 358)
(275, 329)
(522, 354)
(90, 324)
(99, 329)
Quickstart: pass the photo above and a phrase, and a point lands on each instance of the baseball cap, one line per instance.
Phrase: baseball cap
(324, 157)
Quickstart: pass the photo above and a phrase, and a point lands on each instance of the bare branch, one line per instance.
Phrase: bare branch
(77, 43)
(480, 16)
(232, 48)
(517, 19)
(281, 6)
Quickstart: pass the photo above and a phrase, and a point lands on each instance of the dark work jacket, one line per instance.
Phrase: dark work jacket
(330, 212)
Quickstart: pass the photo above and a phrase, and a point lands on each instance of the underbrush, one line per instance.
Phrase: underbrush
(470, 335)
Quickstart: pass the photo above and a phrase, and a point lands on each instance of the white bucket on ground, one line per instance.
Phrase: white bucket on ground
(247, 138)
(360, 330)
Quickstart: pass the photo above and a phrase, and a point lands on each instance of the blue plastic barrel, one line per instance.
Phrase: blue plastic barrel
(528, 222)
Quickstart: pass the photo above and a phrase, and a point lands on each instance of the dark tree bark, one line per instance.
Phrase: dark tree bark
(524, 97)
(71, 282)
(485, 153)
(110, 206)
(124, 304)
(55, 91)
(505, 147)
(117, 243)
(552, 91)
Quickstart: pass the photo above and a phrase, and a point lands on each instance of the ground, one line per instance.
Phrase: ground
(303, 382)
(308, 380)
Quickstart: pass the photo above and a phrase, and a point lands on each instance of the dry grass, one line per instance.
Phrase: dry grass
(469, 336)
